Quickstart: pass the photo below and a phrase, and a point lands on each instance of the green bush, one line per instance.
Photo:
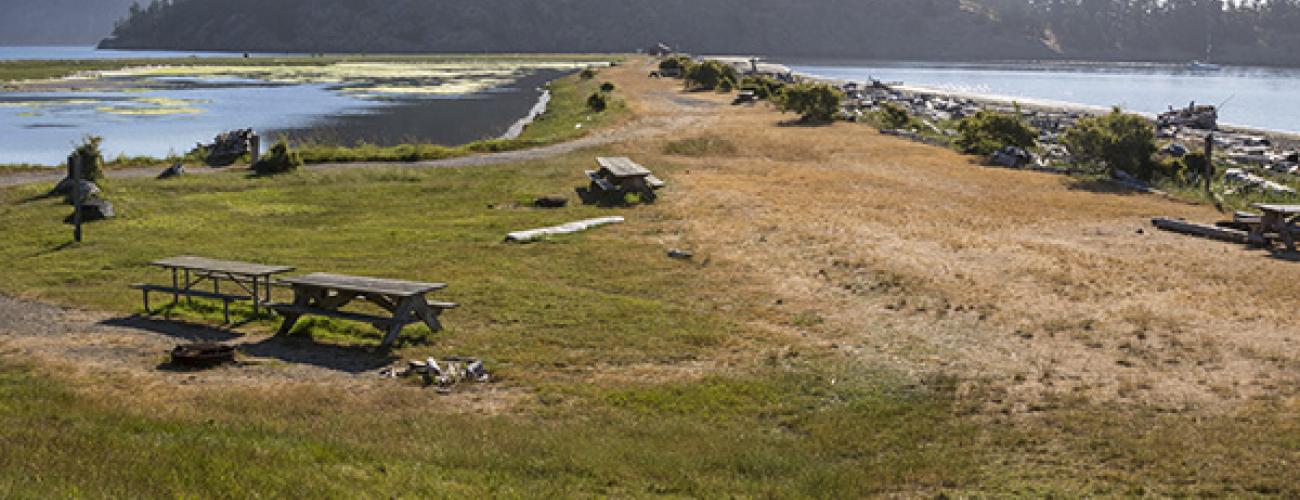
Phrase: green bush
(711, 75)
(893, 116)
(814, 102)
(598, 102)
(587, 74)
(764, 87)
(92, 159)
(1117, 140)
(675, 63)
(607, 87)
(280, 159)
(988, 131)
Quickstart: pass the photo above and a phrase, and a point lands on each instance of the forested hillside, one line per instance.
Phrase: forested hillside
(1248, 32)
(58, 22)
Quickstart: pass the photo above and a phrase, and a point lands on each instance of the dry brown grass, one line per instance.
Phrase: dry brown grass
(1045, 285)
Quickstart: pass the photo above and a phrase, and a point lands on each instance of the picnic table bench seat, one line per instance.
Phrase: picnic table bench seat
(225, 298)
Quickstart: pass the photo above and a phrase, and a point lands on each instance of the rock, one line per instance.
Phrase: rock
(65, 188)
(94, 209)
(176, 170)
(551, 202)
(1011, 157)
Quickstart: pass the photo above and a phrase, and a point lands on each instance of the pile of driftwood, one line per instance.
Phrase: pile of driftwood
(228, 147)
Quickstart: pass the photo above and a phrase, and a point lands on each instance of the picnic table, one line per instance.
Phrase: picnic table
(254, 280)
(323, 294)
(1280, 219)
(619, 175)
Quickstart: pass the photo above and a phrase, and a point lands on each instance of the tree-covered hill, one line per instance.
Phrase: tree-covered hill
(58, 22)
(1246, 32)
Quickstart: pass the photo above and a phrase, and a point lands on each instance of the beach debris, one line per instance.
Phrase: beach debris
(1199, 116)
(1248, 181)
(445, 374)
(551, 202)
(680, 254)
(229, 147)
(202, 355)
(1230, 235)
(570, 228)
(176, 170)
(1011, 157)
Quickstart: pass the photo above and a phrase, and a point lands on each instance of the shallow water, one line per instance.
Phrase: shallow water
(1263, 98)
(157, 112)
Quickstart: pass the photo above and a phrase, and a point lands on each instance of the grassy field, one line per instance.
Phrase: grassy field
(894, 335)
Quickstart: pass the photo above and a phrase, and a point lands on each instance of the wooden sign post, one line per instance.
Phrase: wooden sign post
(74, 163)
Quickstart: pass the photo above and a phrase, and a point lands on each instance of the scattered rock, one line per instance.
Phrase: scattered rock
(94, 209)
(551, 202)
(176, 170)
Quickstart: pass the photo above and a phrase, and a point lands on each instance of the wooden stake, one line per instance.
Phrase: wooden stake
(74, 162)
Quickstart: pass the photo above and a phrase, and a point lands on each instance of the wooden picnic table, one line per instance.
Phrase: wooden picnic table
(188, 271)
(323, 294)
(1281, 219)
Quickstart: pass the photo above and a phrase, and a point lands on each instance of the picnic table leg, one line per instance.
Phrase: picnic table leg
(188, 297)
(176, 285)
(1288, 234)
(428, 315)
(300, 299)
(401, 317)
(256, 299)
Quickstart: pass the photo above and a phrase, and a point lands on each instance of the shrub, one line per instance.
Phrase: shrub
(607, 87)
(280, 159)
(764, 87)
(92, 159)
(1117, 140)
(711, 75)
(598, 102)
(893, 116)
(587, 74)
(988, 131)
(812, 101)
(676, 63)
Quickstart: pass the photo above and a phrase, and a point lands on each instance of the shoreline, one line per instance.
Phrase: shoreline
(1291, 139)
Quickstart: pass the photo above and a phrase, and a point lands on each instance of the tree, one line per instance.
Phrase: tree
(814, 102)
(92, 159)
(893, 116)
(711, 75)
(988, 131)
(1117, 140)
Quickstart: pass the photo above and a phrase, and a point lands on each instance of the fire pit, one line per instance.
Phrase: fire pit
(203, 355)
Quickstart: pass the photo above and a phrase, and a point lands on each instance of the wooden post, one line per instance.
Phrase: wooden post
(254, 148)
(1209, 161)
(74, 163)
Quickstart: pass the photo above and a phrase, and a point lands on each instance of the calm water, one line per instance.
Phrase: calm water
(1254, 97)
(156, 115)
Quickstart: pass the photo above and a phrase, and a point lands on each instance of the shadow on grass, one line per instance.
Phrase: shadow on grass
(297, 349)
(1102, 186)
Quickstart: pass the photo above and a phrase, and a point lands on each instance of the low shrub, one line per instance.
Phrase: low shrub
(598, 102)
(711, 75)
(607, 87)
(280, 159)
(814, 102)
(988, 131)
(764, 87)
(92, 158)
(587, 74)
(1116, 140)
(893, 116)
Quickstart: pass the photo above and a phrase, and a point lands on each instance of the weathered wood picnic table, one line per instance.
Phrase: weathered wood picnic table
(323, 294)
(1281, 219)
(188, 271)
(619, 175)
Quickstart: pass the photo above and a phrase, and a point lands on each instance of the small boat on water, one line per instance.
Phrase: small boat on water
(1203, 66)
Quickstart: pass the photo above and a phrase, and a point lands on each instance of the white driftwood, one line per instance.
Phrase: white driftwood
(570, 228)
